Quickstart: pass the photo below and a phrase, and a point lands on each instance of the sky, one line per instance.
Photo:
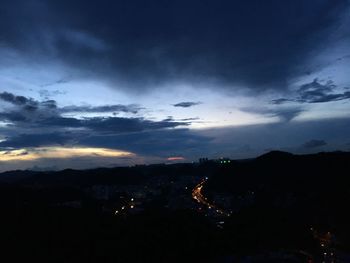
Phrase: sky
(124, 82)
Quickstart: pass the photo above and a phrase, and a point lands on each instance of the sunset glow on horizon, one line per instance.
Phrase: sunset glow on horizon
(60, 153)
(176, 158)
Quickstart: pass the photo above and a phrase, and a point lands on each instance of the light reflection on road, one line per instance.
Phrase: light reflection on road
(328, 253)
(201, 199)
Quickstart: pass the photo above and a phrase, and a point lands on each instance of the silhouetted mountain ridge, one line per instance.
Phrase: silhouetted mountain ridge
(272, 164)
(275, 155)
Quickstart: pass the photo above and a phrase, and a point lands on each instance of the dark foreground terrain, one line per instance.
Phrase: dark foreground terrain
(278, 207)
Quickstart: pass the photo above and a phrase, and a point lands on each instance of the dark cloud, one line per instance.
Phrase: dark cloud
(288, 114)
(105, 124)
(50, 104)
(26, 110)
(106, 108)
(314, 144)
(12, 116)
(15, 100)
(117, 125)
(47, 115)
(316, 92)
(285, 114)
(154, 143)
(151, 142)
(37, 140)
(25, 105)
(16, 154)
(31, 105)
(30, 109)
(280, 101)
(186, 104)
(109, 124)
(318, 98)
(252, 43)
(190, 119)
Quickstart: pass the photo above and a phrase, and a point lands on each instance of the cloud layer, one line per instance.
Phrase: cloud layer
(168, 79)
(260, 45)
(186, 104)
(28, 113)
(316, 92)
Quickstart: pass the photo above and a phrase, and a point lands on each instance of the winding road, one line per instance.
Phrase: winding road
(201, 199)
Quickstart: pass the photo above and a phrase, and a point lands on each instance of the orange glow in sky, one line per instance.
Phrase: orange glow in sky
(176, 158)
(29, 154)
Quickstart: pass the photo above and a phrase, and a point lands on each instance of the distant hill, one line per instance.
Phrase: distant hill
(15, 176)
(284, 170)
(270, 166)
(105, 176)
(75, 177)
(273, 155)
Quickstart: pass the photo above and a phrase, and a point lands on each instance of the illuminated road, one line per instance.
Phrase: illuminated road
(328, 253)
(201, 199)
(125, 207)
(326, 244)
